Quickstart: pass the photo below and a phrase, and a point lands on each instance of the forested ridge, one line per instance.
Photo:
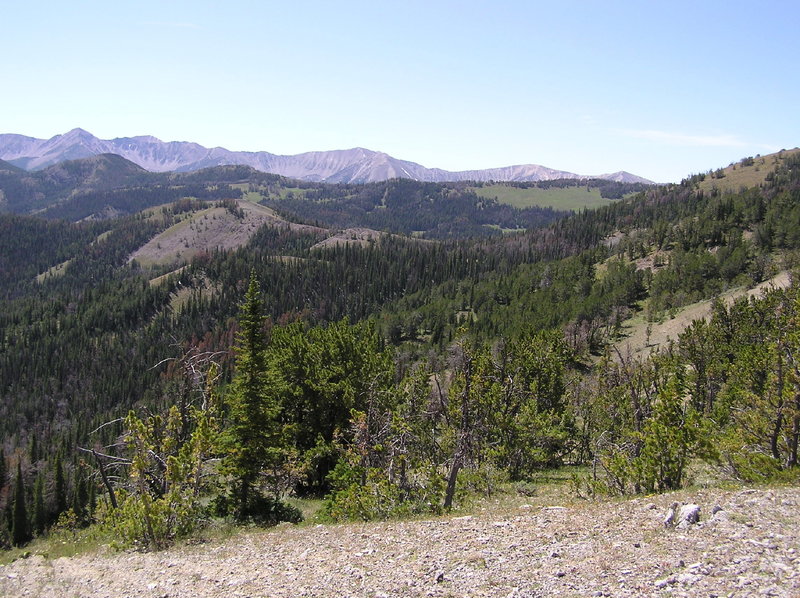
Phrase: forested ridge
(392, 376)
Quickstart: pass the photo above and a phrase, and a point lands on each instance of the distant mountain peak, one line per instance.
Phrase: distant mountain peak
(356, 165)
(78, 132)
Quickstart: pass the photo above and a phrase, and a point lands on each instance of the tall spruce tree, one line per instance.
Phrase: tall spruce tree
(20, 529)
(80, 497)
(252, 438)
(3, 469)
(39, 513)
(61, 487)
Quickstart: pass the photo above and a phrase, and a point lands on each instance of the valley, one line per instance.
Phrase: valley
(186, 351)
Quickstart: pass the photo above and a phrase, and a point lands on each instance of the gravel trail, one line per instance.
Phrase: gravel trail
(751, 547)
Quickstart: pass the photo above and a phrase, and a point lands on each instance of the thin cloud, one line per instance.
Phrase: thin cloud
(685, 140)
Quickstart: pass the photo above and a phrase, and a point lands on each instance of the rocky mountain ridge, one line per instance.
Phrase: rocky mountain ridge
(357, 165)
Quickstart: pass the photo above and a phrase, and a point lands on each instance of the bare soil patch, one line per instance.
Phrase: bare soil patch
(207, 230)
(526, 549)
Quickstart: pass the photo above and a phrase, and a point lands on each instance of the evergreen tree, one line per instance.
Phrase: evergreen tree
(39, 514)
(80, 497)
(61, 487)
(92, 500)
(252, 436)
(33, 449)
(3, 470)
(20, 530)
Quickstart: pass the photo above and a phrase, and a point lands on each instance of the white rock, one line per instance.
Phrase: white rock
(687, 578)
(670, 517)
(663, 583)
(690, 513)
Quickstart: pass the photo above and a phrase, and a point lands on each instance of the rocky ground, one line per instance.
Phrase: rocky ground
(751, 547)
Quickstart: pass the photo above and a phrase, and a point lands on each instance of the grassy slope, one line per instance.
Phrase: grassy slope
(206, 230)
(263, 193)
(738, 176)
(635, 329)
(569, 198)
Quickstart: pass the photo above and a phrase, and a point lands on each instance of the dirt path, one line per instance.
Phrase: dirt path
(752, 547)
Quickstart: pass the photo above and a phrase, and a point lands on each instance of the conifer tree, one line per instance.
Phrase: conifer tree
(39, 514)
(60, 489)
(92, 499)
(3, 470)
(20, 530)
(80, 498)
(252, 436)
(33, 449)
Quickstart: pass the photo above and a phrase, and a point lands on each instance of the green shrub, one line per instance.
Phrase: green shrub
(260, 509)
(366, 495)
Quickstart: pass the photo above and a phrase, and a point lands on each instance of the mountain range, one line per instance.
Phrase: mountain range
(357, 165)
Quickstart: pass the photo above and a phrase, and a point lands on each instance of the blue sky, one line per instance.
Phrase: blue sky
(661, 89)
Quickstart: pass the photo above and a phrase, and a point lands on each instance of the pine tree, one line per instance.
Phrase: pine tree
(251, 440)
(39, 514)
(80, 497)
(92, 500)
(3, 470)
(61, 487)
(33, 449)
(20, 530)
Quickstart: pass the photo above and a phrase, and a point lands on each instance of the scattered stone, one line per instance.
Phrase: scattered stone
(720, 516)
(663, 583)
(447, 557)
(715, 509)
(670, 517)
(687, 579)
(689, 515)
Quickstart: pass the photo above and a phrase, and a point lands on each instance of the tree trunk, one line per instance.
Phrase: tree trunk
(795, 436)
(451, 481)
(111, 495)
(776, 430)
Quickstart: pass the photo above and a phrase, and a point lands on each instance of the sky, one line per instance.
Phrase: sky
(660, 89)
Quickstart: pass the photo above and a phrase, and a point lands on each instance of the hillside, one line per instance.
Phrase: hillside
(108, 186)
(216, 228)
(526, 547)
(749, 172)
(357, 165)
(31, 192)
(640, 338)
(404, 377)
